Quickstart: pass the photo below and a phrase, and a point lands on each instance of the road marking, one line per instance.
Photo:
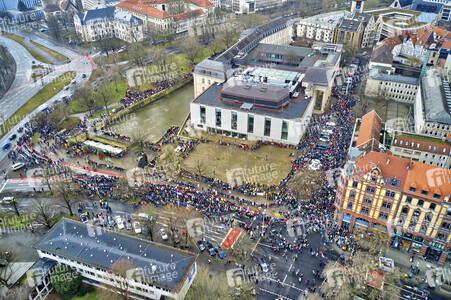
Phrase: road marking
(290, 267)
(275, 294)
(3, 186)
(120, 212)
(285, 278)
(256, 245)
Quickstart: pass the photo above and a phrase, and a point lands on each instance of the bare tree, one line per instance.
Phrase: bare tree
(65, 189)
(200, 166)
(139, 140)
(306, 183)
(138, 54)
(152, 222)
(118, 281)
(104, 95)
(291, 58)
(228, 36)
(44, 211)
(54, 28)
(17, 206)
(176, 6)
(192, 50)
(85, 96)
(174, 217)
(13, 293)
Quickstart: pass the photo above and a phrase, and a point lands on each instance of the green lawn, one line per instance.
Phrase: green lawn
(76, 106)
(55, 54)
(95, 115)
(35, 138)
(33, 53)
(69, 123)
(42, 96)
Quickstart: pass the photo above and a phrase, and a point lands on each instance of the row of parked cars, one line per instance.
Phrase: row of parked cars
(325, 138)
(213, 251)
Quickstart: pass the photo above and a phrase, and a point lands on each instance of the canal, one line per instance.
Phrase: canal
(155, 118)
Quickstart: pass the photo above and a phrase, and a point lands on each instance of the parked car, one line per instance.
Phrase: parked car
(137, 227)
(111, 222)
(144, 216)
(176, 238)
(128, 225)
(12, 137)
(120, 223)
(220, 253)
(211, 249)
(164, 235)
(144, 229)
(201, 246)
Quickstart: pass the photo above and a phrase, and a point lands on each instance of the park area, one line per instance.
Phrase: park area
(266, 165)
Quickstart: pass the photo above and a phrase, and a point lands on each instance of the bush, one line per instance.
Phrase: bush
(100, 152)
(66, 281)
(71, 144)
(85, 148)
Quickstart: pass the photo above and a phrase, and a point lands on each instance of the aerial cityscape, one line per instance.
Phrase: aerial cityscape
(225, 149)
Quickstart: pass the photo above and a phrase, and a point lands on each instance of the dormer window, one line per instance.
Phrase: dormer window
(412, 189)
(424, 193)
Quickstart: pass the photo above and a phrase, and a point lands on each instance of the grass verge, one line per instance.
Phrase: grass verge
(11, 220)
(33, 53)
(53, 53)
(42, 96)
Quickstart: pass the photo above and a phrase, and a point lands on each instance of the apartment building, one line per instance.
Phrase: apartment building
(408, 199)
(349, 32)
(395, 87)
(321, 27)
(107, 22)
(422, 148)
(155, 271)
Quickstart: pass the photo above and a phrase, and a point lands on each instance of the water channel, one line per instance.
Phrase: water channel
(157, 117)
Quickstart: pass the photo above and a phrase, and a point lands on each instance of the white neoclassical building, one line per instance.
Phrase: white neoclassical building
(103, 22)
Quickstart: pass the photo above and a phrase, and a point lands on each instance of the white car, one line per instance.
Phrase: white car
(315, 165)
(137, 227)
(164, 235)
(119, 223)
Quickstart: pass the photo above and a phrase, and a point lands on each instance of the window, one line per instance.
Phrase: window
(234, 120)
(218, 117)
(352, 195)
(404, 210)
(384, 205)
(428, 217)
(442, 236)
(355, 184)
(423, 228)
(370, 189)
(446, 226)
(420, 202)
(250, 123)
(368, 201)
(401, 221)
(284, 130)
(350, 205)
(416, 213)
(412, 224)
(267, 126)
(436, 196)
(202, 114)
(409, 199)
(432, 206)
(412, 189)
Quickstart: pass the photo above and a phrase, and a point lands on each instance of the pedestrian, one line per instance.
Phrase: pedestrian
(209, 261)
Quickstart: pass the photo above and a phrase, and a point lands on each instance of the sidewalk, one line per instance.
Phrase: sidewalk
(402, 261)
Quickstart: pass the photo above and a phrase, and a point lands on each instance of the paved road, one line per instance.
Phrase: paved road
(23, 88)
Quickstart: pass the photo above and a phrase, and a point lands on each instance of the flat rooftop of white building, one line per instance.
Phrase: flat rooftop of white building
(294, 110)
(99, 247)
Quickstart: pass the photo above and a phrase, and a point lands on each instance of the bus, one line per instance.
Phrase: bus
(17, 166)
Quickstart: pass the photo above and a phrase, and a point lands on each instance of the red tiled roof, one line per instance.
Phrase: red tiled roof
(389, 166)
(144, 9)
(446, 45)
(370, 128)
(201, 3)
(189, 14)
(430, 178)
